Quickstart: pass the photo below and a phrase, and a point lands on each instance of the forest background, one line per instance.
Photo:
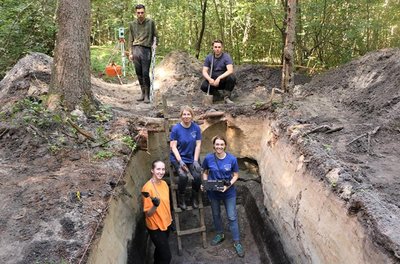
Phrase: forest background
(328, 32)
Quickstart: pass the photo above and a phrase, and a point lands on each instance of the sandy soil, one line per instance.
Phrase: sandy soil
(44, 164)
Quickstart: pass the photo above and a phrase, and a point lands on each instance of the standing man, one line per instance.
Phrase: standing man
(218, 72)
(141, 35)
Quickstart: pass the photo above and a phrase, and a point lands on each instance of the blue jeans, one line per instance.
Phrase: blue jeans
(230, 207)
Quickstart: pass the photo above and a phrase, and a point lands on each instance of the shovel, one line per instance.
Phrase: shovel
(208, 99)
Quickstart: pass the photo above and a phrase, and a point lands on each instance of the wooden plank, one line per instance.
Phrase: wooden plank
(191, 231)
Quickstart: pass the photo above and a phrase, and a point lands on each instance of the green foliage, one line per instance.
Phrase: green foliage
(129, 142)
(258, 105)
(33, 112)
(329, 33)
(3, 115)
(327, 147)
(276, 104)
(99, 57)
(54, 149)
(25, 26)
(104, 114)
(103, 154)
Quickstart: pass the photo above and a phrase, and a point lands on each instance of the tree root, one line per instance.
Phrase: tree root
(368, 135)
(104, 142)
(81, 131)
(4, 132)
(324, 129)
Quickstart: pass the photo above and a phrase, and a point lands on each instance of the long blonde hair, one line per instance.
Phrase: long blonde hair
(186, 108)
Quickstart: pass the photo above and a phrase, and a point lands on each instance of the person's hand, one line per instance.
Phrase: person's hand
(216, 82)
(155, 201)
(183, 166)
(131, 57)
(227, 183)
(225, 188)
(196, 166)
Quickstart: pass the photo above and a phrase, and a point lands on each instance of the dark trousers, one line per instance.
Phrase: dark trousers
(226, 84)
(142, 61)
(162, 252)
(183, 177)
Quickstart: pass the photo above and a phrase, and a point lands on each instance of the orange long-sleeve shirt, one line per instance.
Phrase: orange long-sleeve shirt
(162, 218)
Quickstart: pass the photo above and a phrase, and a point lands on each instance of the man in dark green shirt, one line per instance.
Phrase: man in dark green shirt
(142, 34)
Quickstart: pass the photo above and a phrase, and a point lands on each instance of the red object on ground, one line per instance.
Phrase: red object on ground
(113, 70)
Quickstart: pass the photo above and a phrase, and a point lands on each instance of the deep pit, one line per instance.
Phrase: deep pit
(286, 214)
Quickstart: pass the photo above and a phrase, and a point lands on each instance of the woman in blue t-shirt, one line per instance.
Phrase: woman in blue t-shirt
(185, 144)
(221, 165)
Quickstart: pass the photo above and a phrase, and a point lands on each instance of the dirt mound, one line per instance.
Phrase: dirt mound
(54, 182)
(29, 77)
(349, 118)
(369, 85)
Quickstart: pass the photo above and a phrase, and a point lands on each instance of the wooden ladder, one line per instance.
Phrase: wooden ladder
(174, 191)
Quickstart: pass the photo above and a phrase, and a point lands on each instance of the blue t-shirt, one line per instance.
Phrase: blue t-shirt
(186, 139)
(227, 166)
(220, 63)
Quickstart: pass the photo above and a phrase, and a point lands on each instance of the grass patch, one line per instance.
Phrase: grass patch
(101, 56)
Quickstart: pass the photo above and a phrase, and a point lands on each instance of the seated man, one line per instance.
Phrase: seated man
(218, 72)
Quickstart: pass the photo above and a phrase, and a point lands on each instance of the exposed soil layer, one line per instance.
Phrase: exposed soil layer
(345, 121)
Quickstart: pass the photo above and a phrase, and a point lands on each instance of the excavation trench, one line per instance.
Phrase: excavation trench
(286, 214)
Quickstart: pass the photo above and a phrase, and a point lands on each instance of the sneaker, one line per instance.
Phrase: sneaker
(217, 239)
(239, 249)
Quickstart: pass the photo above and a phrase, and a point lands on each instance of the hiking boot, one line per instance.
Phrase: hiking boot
(227, 100)
(141, 98)
(181, 202)
(239, 249)
(146, 95)
(218, 239)
(217, 96)
(195, 199)
(227, 95)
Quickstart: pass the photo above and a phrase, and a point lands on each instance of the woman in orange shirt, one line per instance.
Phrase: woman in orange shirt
(158, 212)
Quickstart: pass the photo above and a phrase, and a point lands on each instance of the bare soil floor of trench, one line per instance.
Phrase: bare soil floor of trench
(193, 251)
(347, 118)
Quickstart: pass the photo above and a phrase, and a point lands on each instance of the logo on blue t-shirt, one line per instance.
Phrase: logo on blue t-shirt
(193, 133)
(227, 167)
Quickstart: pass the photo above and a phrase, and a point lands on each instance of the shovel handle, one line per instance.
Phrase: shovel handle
(211, 70)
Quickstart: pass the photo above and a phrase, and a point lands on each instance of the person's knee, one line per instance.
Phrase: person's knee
(146, 70)
(230, 82)
(182, 176)
(232, 218)
(196, 183)
(204, 86)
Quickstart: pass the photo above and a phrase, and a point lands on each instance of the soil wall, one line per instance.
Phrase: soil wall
(123, 215)
(312, 221)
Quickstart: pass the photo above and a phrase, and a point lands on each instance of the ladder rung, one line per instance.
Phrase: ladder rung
(191, 231)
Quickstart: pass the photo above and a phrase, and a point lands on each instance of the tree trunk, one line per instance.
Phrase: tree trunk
(288, 60)
(220, 23)
(203, 26)
(285, 6)
(70, 82)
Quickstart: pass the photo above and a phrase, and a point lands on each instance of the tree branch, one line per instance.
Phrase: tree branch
(81, 131)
